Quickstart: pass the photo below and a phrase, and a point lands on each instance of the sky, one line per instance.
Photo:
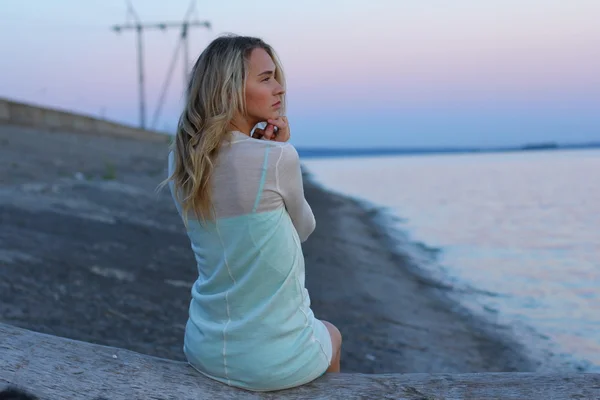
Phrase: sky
(377, 73)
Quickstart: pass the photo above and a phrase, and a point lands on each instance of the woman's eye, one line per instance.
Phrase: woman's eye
(266, 79)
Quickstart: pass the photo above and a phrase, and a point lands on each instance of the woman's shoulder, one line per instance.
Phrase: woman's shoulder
(282, 149)
(289, 152)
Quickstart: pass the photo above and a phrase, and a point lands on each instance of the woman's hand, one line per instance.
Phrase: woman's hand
(282, 134)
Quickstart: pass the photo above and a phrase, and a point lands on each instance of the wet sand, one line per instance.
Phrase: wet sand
(89, 251)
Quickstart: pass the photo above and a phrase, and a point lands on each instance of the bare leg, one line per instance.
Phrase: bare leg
(336, 344)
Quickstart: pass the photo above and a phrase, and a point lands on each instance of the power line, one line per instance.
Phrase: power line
(139, 27)
(166, 85)
(131, 12)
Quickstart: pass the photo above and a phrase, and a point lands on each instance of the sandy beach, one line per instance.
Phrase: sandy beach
(89, 251)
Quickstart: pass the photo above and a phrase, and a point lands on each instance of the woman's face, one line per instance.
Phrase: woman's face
(263, 93)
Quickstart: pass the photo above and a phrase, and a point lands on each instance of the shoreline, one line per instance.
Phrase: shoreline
(399, 319)
(418, 261)
(96, 255)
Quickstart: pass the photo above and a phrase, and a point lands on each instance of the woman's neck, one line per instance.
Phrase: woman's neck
(242, 126)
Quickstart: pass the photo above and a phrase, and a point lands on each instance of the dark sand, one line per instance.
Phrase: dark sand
(88, 251)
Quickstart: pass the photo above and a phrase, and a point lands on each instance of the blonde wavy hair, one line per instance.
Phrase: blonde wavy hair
(216, 94)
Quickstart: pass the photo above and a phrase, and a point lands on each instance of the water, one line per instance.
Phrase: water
(524, 227)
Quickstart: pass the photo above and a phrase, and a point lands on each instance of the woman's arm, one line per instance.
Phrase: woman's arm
(291, 188)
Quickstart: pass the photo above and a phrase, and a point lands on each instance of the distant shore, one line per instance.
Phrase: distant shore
(307, 152)
(90, 252)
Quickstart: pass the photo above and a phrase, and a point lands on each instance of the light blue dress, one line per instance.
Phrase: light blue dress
(250, 323)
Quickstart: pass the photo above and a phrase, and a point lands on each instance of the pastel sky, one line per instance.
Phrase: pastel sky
(360, 73)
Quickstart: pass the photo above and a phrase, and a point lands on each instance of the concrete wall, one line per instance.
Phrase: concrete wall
(53, 367)
(17, 113)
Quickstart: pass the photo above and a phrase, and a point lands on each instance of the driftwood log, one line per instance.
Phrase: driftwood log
(52, 367)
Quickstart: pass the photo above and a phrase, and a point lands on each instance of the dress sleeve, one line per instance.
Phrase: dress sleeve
(291, 189)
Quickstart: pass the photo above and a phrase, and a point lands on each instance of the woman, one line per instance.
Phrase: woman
(239, 191)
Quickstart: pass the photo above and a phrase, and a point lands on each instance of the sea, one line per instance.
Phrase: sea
(517, 234)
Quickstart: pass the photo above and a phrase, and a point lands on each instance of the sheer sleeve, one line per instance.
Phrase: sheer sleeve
(290, 186)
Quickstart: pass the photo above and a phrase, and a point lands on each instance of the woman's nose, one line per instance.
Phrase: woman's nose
(279, 90)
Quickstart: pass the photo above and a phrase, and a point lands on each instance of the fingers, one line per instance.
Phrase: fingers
(283, 128)
(280, 122)
(277, 129)
(268, 133)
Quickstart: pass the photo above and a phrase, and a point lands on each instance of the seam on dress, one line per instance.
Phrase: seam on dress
(226, 304)
(302, 299)
(327, 358)
(262, 179)
(277, 170)
(312, 328)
